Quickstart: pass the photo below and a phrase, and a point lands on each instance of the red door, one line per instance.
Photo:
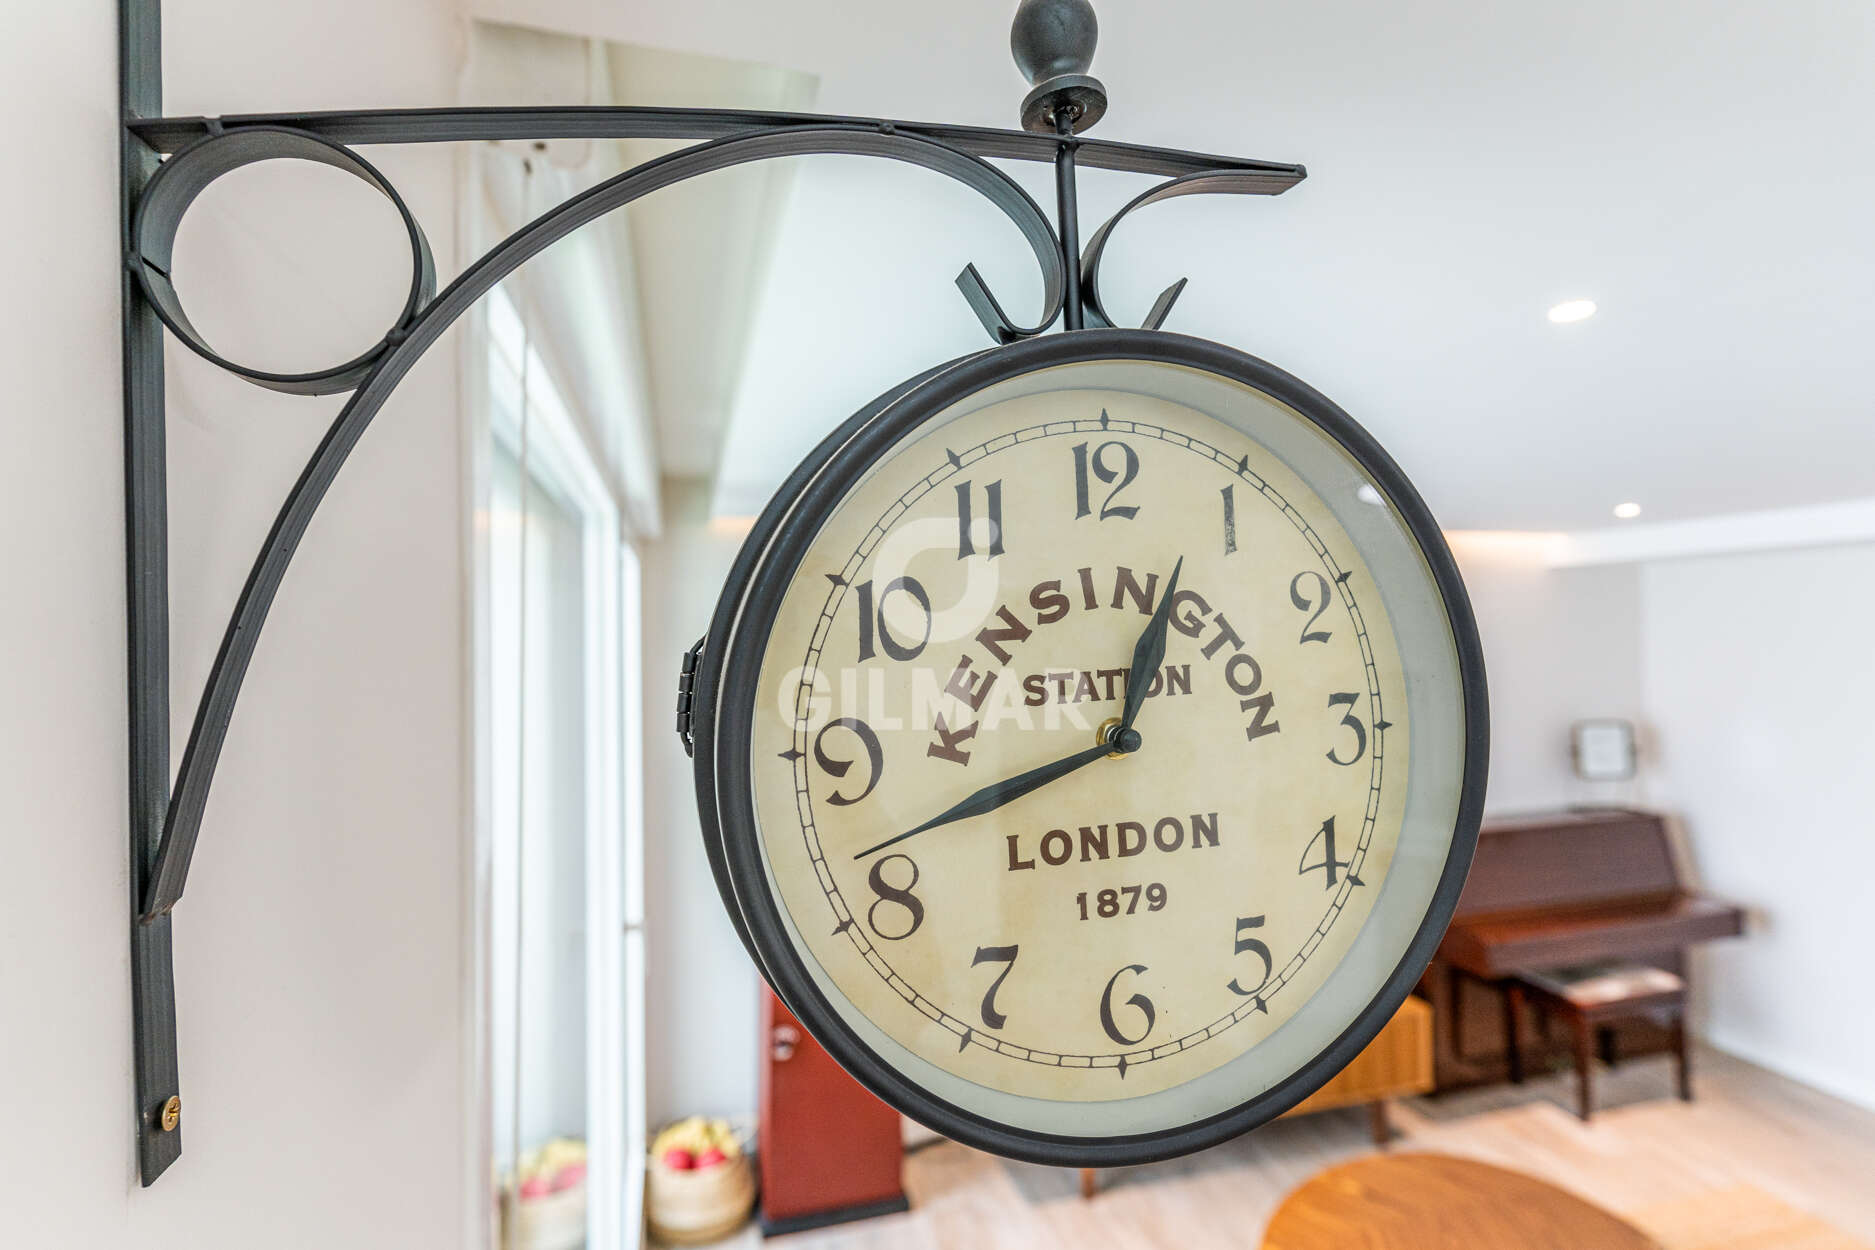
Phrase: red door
(830, 1151)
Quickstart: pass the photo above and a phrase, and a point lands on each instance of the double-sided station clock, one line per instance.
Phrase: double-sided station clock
(1090, 744)
(1090, 735)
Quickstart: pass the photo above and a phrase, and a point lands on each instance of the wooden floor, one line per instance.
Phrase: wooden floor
(1757, 1163)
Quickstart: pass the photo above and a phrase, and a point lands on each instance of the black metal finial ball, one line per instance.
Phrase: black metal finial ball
(1053, 37)
(1053, 43)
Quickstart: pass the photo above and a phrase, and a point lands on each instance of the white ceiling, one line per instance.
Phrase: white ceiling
(701, 253)
(1700, 170)
(687, 264)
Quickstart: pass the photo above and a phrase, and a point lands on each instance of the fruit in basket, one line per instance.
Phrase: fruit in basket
(678, 1159)
(558, 1165)
(561, 1152)
(707, 1200)
(698, 1136)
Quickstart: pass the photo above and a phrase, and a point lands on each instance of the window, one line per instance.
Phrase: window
(561, 944)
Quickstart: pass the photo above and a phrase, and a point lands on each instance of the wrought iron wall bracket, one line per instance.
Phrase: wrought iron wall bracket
(165, 821)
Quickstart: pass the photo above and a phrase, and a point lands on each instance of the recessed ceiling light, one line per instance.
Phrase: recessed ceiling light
(1572, 310)
(1627, 511)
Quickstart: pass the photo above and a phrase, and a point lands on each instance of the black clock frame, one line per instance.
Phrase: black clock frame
(727, 661)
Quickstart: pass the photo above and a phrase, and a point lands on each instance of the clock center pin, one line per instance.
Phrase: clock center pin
(1123, 741)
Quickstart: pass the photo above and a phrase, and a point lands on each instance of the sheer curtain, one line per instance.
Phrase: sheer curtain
(537, 925)
(563, 964)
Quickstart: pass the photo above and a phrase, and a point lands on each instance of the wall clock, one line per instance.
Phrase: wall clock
(1602, 750)
(1090, 744)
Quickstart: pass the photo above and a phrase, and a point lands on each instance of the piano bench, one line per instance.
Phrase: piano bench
(1596, 995)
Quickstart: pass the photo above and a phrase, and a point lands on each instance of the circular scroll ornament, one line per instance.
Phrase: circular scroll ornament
(186, 175)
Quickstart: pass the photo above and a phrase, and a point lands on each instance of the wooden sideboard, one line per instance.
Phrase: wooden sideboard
(1396, 1064)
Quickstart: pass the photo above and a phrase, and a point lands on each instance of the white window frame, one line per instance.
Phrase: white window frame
(559, 453)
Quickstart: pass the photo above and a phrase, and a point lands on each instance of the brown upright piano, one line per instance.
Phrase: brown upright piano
(1554, 891)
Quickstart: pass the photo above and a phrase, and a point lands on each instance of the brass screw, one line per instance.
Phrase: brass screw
(171, 1114)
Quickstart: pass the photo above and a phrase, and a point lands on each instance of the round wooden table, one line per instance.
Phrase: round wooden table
(1436, 1202)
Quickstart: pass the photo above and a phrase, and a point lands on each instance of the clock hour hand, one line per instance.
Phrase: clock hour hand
(1149, 651)
(991, 797)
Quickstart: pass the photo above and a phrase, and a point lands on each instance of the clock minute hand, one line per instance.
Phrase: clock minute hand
(991, 797)
(1149, 651)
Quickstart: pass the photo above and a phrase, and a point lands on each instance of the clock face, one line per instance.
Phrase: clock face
(1103, 752)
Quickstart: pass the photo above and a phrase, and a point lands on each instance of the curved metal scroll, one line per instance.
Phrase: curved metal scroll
(1210, 182)
(405, 345)
(173, 188)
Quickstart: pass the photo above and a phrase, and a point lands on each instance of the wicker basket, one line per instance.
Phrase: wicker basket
(555, 1221)
(686, 1208)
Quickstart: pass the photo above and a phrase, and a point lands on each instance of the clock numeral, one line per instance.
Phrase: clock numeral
(1328, 865)
(1119, 478)
(838, 767)
(1304, 602)
(1348, 718)
(993, 1018)
(872, 619)
(1253, 946)
(966, 546)
(1230, 517)
(1139, 1001)
(899, 896)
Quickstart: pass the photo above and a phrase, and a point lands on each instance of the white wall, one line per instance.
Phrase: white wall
(701, 991)
(1559, 646)
(318, 950)
(1750, 677)
(1760, 682)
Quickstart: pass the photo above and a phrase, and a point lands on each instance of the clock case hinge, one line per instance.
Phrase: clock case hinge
(686, 694)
